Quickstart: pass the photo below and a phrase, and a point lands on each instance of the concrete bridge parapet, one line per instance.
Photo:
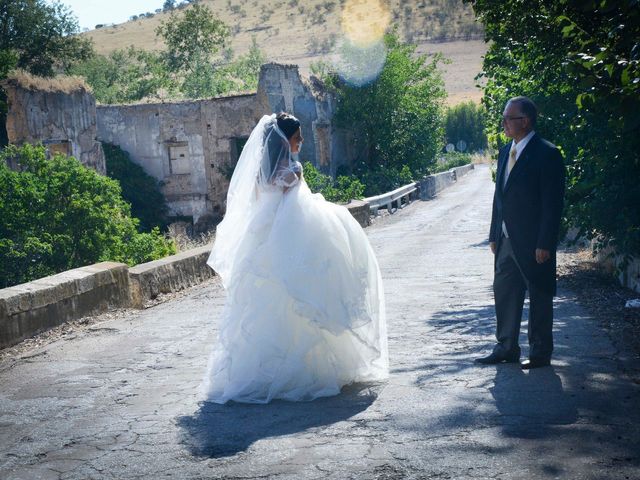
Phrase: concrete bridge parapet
(36, 306)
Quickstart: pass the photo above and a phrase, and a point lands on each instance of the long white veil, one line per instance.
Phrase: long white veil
(266, 152)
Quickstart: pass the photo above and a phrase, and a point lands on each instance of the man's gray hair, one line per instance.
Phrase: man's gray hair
(528, 108)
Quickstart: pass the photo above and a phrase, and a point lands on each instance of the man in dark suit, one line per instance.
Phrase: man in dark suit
(525, 221)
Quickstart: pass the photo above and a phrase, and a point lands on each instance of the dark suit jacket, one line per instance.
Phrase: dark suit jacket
(531, 205)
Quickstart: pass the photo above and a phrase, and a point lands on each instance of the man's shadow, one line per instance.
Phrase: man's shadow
(224, 430)
(531, 404)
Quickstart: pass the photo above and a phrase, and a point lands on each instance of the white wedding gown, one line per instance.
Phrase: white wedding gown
(305, 309)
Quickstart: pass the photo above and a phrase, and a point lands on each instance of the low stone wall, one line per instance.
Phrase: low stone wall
(463, 170)
(629, 276)
(170, 274)
(360, 211)
(431, 185)
(36, 306)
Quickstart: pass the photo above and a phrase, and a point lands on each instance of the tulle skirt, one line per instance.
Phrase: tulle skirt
(305, 308)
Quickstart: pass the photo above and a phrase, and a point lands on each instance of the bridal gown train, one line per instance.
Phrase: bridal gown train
(304, 314)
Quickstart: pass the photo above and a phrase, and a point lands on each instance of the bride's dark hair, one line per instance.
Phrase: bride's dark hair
(277, 148)
(288, 124)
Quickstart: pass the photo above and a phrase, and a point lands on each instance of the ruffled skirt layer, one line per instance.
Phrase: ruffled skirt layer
(305, 308)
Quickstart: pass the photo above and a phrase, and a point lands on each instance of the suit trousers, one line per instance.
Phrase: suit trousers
(509, 288)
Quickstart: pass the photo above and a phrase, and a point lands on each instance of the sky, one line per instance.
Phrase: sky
(92, 12)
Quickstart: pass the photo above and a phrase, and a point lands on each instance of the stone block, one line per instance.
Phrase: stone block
(170, 274)
(360, 211)
(36, 306)
(463, 170)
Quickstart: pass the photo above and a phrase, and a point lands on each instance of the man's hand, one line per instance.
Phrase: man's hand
(542, 255)
(492, 246)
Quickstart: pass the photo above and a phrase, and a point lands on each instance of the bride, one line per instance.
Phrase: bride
(304, 314)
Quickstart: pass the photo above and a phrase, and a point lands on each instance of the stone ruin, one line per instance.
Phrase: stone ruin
(60, 113)
(190, 147)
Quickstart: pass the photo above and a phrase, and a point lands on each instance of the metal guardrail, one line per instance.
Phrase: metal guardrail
(425, 189)
(389, 198)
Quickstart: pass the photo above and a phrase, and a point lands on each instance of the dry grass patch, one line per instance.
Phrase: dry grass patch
(58, 84)
(180, 233)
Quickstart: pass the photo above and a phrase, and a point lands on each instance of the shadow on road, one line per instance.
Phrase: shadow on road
(528, 404)
(484, 244)
(531, 403)
(224, 430)
(572, 403)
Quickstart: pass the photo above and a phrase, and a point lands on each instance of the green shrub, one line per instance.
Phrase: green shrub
(342, 190)
(451, 160)
(466, 122)
(385, 180)
(138, 188)
(58, 215)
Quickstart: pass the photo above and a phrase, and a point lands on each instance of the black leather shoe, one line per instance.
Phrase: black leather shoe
(495, 358)
(534, 363)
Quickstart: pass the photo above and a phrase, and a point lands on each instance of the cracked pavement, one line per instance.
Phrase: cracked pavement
(118, 399)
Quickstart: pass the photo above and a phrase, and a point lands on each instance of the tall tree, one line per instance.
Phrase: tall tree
(397, 117)
(192, 37)
(39, 37)
(465, 122)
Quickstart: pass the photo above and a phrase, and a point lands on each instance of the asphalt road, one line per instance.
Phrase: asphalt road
(118, 399)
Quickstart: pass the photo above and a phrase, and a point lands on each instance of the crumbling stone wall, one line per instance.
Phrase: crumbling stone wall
(192, 147)
(283, 89)
(63, 119)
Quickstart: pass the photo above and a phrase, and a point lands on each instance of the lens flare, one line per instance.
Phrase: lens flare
(364, 21)
(361, 54)
(360, 65)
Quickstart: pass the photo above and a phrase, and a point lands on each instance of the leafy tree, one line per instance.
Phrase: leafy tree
(138, 188)
(169, 5)
(212, 79)
(39, 37)
(244, 71)
(397, 117)
(466, 121)
(192, 38)
(125, 76)
(188, 68)
(203, 79)
(57, 215)
(194, 41)
(580, 61)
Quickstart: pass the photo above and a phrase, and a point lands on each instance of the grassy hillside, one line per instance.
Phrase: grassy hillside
(303, 31)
